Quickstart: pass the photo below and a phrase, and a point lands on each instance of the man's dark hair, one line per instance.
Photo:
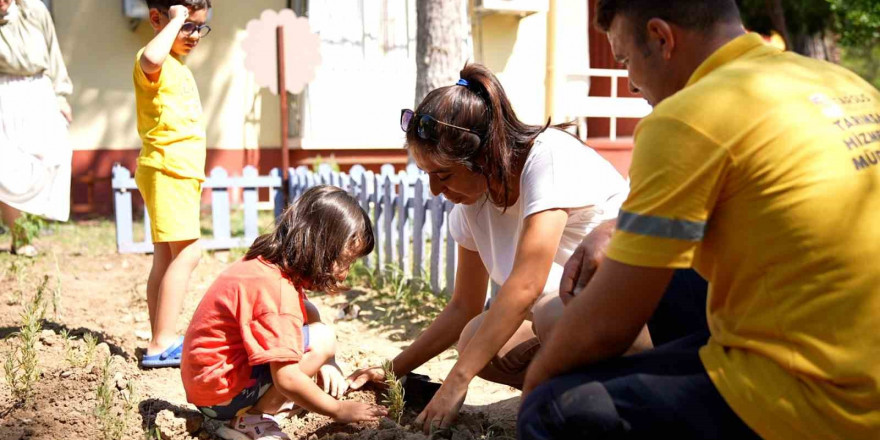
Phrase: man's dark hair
(699, 15)
(191, 4)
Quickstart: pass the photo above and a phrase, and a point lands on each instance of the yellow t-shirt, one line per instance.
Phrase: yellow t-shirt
(764, 174)
(169, 116)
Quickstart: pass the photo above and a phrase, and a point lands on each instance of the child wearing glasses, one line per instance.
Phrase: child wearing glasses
(171, 165)
(255, 342)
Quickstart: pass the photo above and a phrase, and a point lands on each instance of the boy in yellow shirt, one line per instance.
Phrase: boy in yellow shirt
(171, 165)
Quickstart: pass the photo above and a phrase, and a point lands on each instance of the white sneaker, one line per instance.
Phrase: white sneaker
(252, 427)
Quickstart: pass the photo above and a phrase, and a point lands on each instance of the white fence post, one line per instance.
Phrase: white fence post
(419, 214)
(400, 208)
(220, 206)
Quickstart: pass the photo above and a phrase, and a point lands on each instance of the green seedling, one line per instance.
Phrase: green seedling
(26, 229)
(56, 291)
(21, 366)
(113, 423)
(76, 357)
(394, 395)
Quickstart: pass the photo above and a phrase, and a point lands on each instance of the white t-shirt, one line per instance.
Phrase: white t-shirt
(559, 173)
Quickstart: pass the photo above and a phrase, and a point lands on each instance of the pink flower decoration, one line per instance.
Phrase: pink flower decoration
(301, 47)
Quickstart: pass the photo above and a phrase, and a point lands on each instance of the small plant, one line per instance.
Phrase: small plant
(91, 346)
(20, 270)
(73, 355)
(113, 422)
(394, 395)
(26, 229)
(153, 434)
(56, 291)
(21, 366)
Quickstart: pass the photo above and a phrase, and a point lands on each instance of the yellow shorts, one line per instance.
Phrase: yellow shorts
(173, 204)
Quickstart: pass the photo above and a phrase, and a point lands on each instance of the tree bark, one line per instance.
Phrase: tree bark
(777, 16)
(440, 35)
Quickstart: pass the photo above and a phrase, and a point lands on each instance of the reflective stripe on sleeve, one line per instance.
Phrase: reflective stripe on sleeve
(661, 227)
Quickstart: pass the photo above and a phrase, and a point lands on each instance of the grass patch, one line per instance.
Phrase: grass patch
(407, 296)
(26, 229)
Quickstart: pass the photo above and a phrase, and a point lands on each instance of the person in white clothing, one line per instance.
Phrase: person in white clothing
(526, 196)
(34, 114)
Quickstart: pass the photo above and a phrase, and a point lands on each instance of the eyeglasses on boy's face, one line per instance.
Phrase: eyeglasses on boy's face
(190, 28)
(426, 126)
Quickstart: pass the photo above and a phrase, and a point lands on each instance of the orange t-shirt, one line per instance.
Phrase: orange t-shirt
(251, 315)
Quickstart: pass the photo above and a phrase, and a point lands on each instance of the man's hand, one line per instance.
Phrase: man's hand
(178, 11)
(579, 269)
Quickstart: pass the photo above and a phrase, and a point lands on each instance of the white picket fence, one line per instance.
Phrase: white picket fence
(410, 225)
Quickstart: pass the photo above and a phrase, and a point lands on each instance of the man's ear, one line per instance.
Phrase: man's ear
(661, 36)
(155, 19)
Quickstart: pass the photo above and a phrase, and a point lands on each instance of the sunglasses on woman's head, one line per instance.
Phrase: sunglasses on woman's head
(426, 125)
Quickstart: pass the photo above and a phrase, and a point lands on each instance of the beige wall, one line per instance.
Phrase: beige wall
(516, 49)
(99, 49)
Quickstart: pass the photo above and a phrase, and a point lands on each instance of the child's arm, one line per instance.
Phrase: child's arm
(160, 46)
(302, 390)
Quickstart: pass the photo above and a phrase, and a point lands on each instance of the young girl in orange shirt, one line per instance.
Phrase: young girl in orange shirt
(255, 342)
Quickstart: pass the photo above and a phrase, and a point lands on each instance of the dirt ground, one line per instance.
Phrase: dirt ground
(93, 290)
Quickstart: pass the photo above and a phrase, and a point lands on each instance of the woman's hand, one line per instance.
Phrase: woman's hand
(332, 380)
(360, 377)
(443, 409)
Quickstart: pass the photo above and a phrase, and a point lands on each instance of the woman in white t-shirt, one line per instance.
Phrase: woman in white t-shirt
(525, 196)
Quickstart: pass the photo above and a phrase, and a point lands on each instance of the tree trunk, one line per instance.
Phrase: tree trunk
(819, 46)
(777, 17)
(440, 35)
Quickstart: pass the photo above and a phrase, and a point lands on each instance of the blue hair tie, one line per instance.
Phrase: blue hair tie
(462, 82)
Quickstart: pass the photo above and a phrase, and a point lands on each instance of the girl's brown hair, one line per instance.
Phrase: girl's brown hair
(323, 228)
(504, 142)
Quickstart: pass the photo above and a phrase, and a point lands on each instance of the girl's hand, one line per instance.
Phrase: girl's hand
(351, 411)
(360, 377)
(443, 409)
(332, 379)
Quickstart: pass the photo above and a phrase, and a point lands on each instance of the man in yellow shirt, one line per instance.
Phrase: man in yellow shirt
(171, 166)
(761, 169)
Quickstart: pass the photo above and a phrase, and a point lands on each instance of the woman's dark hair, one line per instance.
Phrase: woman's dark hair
(500, 152)
(167, 4)
(320, 229)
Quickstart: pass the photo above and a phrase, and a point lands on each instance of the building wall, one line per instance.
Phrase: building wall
(99, 49)
(243, 124)
(516, 50)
